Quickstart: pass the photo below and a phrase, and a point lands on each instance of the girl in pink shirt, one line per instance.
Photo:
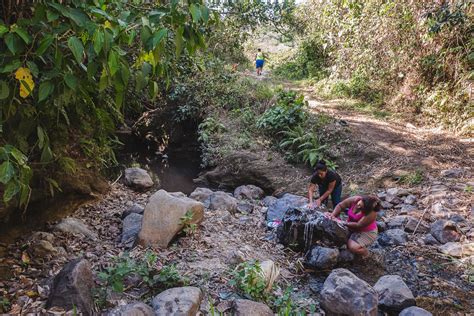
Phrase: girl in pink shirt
(362, 214)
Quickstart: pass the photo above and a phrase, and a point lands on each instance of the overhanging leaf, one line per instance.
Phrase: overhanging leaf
(98, 40)
(45, 90)
(4, 90)
(76, 47)
(71, 81)
(7, 171)
(113, 62)
(44, 44)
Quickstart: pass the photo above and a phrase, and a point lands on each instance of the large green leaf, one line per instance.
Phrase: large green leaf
(44, 44)
(41, 137)
(71, 81)
(78, 16)
(19, 156)
(46, 154)
(11, 189)
(195, 12)
(113, 62)
(98, 40)
(13, 43)
(7, 171)
(179, 41)
(14, 65)
(33, 68)
(4, 90)
(23, 34)
(76, 47)
(45, 89)
(3, 30)
(157, 37)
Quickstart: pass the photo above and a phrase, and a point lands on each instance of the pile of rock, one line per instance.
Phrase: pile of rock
(344, 293)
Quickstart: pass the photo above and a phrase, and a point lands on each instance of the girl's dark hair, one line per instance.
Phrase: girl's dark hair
(321, 165)
(371, 204)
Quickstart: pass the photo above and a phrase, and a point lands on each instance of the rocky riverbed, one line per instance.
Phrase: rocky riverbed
(104, 258)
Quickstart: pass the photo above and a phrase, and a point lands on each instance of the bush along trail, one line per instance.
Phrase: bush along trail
(162, 253)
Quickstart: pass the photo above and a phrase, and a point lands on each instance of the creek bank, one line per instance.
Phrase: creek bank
(224, 239)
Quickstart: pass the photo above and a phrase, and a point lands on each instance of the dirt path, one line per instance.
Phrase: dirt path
(389, 146)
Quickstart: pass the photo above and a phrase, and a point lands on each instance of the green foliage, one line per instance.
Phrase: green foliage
(4, 305)
(15, 174)
(284, 305)
(114, 276)
(209, 127)
(357, 87)
(414, 56)
(188, 227)
(310, 60)
(67, 68)
(412, 178)
(249, 281)
(286, 113)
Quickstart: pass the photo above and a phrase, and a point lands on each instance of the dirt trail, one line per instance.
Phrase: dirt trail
(391, 146)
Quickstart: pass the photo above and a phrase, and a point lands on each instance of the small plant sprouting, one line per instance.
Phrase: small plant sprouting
(248, 279)
(412, 178)
(189, 228)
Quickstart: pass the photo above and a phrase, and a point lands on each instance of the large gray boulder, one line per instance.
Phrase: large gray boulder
(162, 219)
(138, 178)
(278, 209)
(415, 311)
(182, 301)
(456, 249)
(344, 293)
(135, 208)
(394, 294)
(393, 237)
(301, 228)
(202, 195)
(223, 201)
(250, 308)
(445, 231)
(76, 227)
(132, 309)
(131, 227)
(72, 288)
(322, 258)
(248, 192)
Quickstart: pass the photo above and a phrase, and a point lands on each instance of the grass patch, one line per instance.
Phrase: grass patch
(412, 178)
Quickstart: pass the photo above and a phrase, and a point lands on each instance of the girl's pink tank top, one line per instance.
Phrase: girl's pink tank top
(356, 218)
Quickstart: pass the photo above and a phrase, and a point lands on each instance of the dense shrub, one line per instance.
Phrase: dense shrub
(415, 56)
(66, 69)
(286, 113)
